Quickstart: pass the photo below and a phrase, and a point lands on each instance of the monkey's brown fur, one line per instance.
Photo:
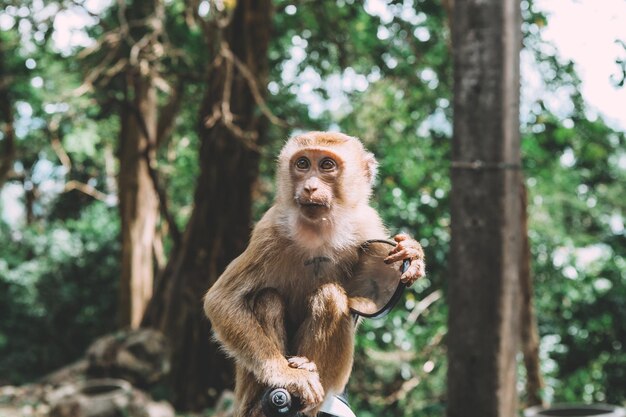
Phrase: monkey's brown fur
(279, 309)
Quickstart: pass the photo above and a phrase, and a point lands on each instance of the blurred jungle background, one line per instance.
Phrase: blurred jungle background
(137, 148)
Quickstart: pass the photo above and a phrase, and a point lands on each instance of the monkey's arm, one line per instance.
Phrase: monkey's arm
(229, 306)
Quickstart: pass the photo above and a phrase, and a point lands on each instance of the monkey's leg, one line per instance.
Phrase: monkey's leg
(269, 309)
(326, 337)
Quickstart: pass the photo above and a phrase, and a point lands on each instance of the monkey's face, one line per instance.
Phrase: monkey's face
(315, 175)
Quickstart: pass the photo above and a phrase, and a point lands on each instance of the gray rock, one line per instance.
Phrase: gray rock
(140, 357)
(107, 398)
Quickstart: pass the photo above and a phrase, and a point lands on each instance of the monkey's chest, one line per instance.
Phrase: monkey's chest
(305, 284)
(309, 275)
(320, 269)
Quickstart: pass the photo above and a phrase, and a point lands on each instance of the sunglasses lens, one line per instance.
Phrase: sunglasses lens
(373, 282)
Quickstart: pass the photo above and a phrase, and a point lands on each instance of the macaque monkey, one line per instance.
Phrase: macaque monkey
(279, 308)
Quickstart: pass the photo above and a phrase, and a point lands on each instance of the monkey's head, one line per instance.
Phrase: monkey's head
(322, 172)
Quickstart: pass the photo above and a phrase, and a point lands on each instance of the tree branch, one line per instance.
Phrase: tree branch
(254, 87)
(86, 189)
(167, 115)
(57, 146)
(423, 306)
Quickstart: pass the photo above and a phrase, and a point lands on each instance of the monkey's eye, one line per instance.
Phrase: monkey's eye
(328, 164)
(303, 163)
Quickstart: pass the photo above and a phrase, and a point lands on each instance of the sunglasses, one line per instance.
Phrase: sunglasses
(374, 287)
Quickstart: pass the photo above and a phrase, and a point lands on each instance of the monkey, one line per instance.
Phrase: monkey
(279, 309)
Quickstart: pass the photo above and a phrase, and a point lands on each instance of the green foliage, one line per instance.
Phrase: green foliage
(385, 77)
(57, 291)
(578, 244)
(575, 174)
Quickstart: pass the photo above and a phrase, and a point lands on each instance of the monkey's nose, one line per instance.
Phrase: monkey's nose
(311, 185)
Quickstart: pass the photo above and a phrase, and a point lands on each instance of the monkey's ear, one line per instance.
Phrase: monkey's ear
(371, 167)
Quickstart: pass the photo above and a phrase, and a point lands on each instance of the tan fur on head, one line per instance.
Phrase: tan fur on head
(353, 190)
(362, 165)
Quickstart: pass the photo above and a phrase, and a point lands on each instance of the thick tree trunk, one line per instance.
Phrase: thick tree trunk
(529, 332)
(139, 202)
(220, 224)
(485, 248)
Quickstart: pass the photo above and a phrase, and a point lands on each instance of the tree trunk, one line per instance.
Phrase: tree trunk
(529, 332)
(7, 143)
(220, 224)
(485, 206)
(138, 203)
(138, 198)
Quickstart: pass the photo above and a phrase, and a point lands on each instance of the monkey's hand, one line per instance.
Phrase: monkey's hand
(301, 379)
(408, 248)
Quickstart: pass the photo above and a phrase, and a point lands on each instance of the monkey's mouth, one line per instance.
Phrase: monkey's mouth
(313, 208)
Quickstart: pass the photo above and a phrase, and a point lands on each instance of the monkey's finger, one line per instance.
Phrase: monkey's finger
(400, 237)
(397, 256)
(414, 272)
(314, 395)
(398, 248)
(306, 397)
(300, 362)
(296, 361)
(413, 246)
(308, 366)
(412, 250)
